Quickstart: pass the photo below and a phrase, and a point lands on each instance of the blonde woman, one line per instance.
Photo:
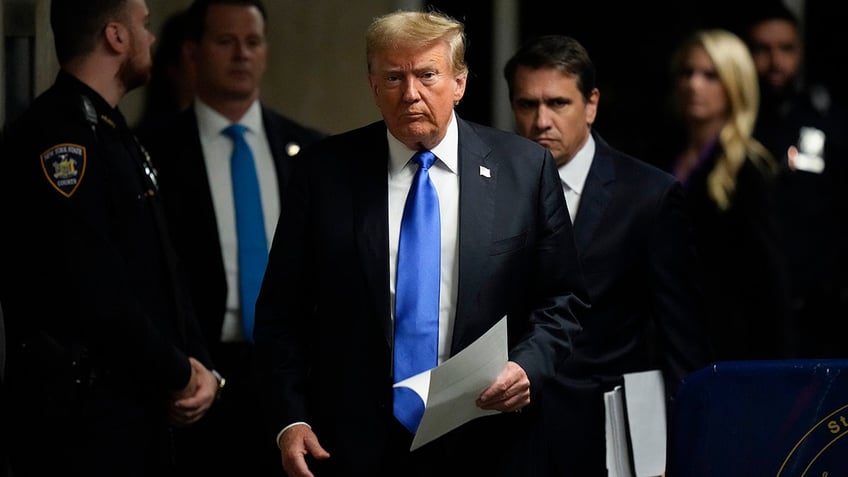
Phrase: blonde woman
(729, 179)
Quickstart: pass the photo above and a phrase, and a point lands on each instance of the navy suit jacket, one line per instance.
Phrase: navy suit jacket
(323, 321)
(178, 157)
(637, 250)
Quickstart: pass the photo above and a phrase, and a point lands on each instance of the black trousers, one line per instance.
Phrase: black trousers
(231, 439)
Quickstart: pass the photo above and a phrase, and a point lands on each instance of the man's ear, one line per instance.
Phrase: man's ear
(373, 86)
(117, 36)
(592, 106)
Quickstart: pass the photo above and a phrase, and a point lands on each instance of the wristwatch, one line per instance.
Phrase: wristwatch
(221, 383)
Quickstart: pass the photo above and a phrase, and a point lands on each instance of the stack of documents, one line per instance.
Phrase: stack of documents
(636, 426)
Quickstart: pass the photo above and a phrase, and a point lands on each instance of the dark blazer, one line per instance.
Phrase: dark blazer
(323, 320)
(636, 246)
(746, 280)
(232, 431)
(178, 156)
(812, 216)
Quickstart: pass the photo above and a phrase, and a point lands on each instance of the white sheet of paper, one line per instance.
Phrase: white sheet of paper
(644, 393)
(455, 385)
(618, 451)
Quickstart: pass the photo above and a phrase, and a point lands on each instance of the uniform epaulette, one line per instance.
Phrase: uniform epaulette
(88, 110)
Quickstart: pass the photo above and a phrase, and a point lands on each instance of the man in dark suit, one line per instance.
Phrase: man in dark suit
(634, 242)
(326, 311)
(228, 49)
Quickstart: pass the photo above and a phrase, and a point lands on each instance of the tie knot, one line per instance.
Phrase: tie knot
(424, 158)
(234, 131)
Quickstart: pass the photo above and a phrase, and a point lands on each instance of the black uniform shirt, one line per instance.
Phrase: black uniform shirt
(87, 260)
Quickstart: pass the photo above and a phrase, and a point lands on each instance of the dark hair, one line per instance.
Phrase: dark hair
(170, 40)
(161, 96)
(555, 51)
(196, 23)
(767, 11)
(77, 24)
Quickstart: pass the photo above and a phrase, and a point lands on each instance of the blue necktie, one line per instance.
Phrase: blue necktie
(416, 339)
(250, 226)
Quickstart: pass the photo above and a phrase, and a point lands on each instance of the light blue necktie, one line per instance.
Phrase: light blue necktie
(416, 339)
(250, 226)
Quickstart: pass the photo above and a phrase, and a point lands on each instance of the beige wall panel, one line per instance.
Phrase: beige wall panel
(316, 60)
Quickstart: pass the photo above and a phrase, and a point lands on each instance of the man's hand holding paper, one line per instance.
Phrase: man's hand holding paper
(510, 391)
(456, 391)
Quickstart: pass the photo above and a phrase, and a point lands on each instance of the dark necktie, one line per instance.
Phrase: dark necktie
(416, 339)
(250, 226)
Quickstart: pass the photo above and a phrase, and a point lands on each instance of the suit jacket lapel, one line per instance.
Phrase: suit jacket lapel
(597, 193)
(276, 142)
(371, 205)
(476, 213)
(190, 170)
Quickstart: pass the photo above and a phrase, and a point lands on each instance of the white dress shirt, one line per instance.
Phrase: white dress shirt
(217, 149)
(445, 177)
(573, 175)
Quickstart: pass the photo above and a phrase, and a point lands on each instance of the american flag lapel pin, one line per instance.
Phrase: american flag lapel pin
(485, 172)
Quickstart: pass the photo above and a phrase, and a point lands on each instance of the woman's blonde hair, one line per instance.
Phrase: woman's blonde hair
(738, 76)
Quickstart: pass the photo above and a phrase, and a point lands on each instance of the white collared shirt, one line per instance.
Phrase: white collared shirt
(217, 149)
(445, 177)
(573, 175)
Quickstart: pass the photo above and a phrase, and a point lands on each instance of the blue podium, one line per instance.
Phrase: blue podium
(763, 419)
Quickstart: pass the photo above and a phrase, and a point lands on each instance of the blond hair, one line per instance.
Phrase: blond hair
(738, 76)
(417, 29)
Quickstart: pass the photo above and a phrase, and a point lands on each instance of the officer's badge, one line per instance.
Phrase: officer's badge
(64, 166)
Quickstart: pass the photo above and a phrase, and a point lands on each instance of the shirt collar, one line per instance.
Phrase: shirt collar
(210, 123)
(574, 172)
(446, 151)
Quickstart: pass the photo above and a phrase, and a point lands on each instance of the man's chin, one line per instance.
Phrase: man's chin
(134, 76)
(417, 132)
(777, 83)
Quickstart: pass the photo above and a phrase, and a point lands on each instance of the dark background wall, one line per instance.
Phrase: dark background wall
(316, 71)
(631, 44)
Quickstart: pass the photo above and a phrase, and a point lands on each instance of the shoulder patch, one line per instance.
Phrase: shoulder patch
(64, 167)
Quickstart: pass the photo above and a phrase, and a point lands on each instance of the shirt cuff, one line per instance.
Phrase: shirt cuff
(280, 434)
